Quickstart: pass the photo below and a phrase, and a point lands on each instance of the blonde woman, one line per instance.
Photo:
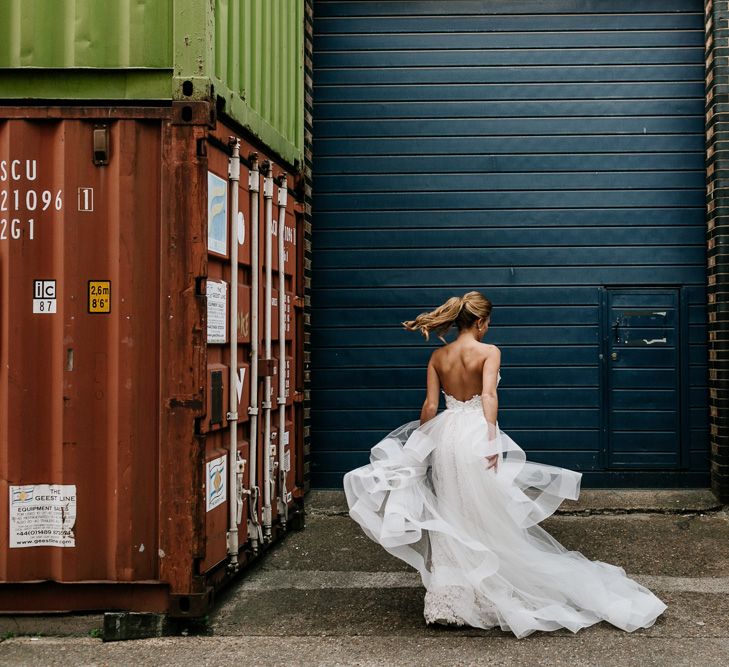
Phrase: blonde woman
(455, 497)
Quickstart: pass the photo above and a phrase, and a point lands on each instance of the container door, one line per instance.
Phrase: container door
(79, 352)
(643, 380)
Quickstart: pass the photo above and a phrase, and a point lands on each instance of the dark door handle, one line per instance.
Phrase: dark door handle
(616, 331)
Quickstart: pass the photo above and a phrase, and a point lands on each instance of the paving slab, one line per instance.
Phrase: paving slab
(333, 501)
(79, 625)
(581, 650)
(399, 611)
(670, 544)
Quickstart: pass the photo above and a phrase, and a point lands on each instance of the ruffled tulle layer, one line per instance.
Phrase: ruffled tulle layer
(428, 498)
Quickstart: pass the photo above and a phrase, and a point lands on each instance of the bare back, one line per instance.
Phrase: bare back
(460, 367)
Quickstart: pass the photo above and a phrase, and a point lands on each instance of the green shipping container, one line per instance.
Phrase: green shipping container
(248, 54)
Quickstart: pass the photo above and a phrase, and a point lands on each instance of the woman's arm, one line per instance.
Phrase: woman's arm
(432, 396)
(489, 397)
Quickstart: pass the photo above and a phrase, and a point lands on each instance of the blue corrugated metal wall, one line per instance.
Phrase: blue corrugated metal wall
(541, 152)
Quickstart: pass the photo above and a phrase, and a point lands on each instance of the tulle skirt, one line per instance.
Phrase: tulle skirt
(428, 498)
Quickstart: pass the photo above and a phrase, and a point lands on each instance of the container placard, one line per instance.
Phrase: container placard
(217, 291)
(216, 482)
(44, 297)
(42, 515)
(217, 214)
(99, 296)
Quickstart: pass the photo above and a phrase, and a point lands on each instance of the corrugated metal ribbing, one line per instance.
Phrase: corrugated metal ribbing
(536, 151)
(118, 380)
(259, 58)
(86, 33)
(308, 155)
(246, 54)
(72, 409)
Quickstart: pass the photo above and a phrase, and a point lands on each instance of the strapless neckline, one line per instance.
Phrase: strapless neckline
(469, 404)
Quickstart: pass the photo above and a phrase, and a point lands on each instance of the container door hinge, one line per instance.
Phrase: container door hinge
(239, 490)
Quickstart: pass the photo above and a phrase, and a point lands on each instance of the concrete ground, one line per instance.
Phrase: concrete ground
(329, 596)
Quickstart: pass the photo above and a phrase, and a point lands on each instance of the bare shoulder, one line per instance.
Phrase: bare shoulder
(491, 353)
(442, 350)
(491, 349)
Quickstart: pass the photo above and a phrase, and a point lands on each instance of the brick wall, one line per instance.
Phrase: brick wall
(716, 18)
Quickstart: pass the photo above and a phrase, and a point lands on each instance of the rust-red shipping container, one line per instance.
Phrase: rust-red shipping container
(148, 362)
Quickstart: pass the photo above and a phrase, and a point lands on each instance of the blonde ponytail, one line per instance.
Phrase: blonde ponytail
(439, 320)
(462, 311)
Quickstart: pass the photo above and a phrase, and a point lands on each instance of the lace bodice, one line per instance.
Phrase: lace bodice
(473, 403)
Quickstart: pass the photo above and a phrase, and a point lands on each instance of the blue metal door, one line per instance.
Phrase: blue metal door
(642, 345)
(544, 153)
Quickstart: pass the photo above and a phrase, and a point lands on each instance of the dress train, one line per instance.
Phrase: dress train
(473, 535)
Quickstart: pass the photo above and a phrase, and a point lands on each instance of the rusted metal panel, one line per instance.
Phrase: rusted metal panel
(111, 394)
(73, 411)
(182, 337)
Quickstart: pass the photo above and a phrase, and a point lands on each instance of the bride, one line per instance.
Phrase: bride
(455, 497)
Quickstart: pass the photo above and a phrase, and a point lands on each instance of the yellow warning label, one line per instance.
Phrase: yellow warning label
(99, 296)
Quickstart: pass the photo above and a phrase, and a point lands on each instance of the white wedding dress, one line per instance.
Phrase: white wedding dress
(427, 497)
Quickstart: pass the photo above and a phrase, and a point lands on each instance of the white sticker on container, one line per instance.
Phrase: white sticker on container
(286, 438)
(42, 515)
(217, 311)
(216, 482)
(44, 297)
(287, 460)
(241, 228)
(217, 214)
(239, 383)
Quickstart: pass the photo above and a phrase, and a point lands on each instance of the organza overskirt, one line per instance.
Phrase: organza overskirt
(472, 533)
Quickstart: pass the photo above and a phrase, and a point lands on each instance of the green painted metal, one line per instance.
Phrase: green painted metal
(49, 84)
(249, 54)
(258, 65)
(86, 33)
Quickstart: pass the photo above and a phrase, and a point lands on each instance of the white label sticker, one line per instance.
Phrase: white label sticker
(241, 228)
(42, 515)
(287, 460)
(216, 480)
(44, 297)
(217, 311)
(217, 214)
(239, 383)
